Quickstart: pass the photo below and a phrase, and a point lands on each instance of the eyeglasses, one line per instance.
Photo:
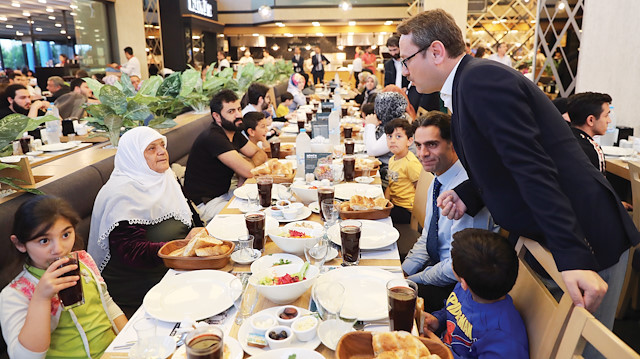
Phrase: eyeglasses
(404, 61)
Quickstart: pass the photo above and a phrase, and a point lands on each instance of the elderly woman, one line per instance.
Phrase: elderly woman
(295, 87)
(388, 106)
(139, 209)
(370, 89)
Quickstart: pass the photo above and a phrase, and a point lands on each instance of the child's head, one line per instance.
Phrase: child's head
(399, 136)
(44, 229)
(485, 261)
(368, 109)
(286, 98)
(255, 125)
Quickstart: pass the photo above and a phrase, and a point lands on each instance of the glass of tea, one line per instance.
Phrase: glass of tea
(350, 231)
(349, 163)
(348, 131)
(275, 148)
(72, 297)
(205, 343)
(265, 183)
(349, 146)
(255, 227)
(402, 294)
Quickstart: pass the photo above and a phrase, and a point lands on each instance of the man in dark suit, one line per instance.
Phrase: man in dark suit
(523, 162)
(393, 67)
(297, 60)
(319, 62)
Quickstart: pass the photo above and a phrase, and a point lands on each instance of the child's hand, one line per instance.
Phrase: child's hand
(51, 281)
(371, 119)
(431, 323)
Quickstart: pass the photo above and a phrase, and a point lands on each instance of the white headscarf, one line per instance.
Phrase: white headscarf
(134, 193)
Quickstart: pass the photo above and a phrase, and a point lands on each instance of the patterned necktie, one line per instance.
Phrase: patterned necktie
(432, 235)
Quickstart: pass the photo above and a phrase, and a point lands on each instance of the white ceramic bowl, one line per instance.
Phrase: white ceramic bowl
(289, 213)
(291, 245)
(304, 193)
(306, 334)
(287, 322)
(283, 343)
(260, 323)
(284, 293)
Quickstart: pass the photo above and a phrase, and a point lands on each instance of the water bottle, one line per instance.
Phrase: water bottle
(334, 126)
(53, 130)
(303, 145)
(54, 110)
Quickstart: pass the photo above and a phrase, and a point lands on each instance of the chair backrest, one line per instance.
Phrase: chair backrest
(543, 316)
(420, 201)
(634, 174)
(583, 328)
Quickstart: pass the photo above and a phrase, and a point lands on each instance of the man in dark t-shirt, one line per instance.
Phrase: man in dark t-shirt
(215, 156)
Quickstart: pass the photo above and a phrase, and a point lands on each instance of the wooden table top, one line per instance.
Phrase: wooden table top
(618, 168)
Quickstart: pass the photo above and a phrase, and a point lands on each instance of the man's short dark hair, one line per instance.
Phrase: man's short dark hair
(561, 104)
(128, 50)
(402, 123)
(76, 83)
(439, 119)
(255, 91)
(368, 108)
(81, 74)
(224, 95)
(582, 105)
(12, 75)
(429, 26)
(11, 90)
(286, 96)
(250, 119)
(486, 261)
(393, 41)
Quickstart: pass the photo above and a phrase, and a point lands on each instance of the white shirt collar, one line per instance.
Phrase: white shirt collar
(446, 93)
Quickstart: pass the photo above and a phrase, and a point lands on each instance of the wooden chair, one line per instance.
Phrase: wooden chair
(630, 294)
(583, 328)
(543, 316)
(409, 233)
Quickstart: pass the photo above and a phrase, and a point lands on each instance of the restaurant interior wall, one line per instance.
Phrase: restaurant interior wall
(609, 53)
(93, 35)
(129, 31)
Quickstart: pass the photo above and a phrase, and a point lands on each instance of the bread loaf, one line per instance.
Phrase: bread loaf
(402, 345)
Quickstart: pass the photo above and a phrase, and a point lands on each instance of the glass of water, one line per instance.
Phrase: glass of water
(330, 209)
(284, 191)
(315, 251)
(244, 297)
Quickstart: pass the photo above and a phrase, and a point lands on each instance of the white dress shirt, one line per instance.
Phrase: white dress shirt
(446, 93)
(398, 66)
(132, 67)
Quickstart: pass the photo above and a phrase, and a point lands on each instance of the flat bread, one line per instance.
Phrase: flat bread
(390, 345)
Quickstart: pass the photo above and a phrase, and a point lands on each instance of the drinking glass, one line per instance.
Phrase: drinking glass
(350, 231)
(73, 296)
(254, 199)
(284, 191)
(315, 251)
(265, 185)
(323, 194)
(147, 347)
(329, 298)
(330, 210)
(205, 342)
(245, 247)
(401, 294)
(244, 297)
(255, 222)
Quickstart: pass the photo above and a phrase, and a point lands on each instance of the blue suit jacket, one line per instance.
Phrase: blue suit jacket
(526, 166)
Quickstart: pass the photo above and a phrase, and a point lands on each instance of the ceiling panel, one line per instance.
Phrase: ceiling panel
(16, 22)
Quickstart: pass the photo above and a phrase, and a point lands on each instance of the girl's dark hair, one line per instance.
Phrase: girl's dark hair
(35, 216)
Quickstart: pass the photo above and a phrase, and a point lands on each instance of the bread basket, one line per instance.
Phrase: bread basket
(180, 262)
(360, 345)
(368, 214)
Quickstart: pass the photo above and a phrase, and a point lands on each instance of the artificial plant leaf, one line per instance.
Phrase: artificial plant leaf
(99, 111)
(11, 182)
(94, 85)
(7, 165)
(127, 86)
(113, 98)
(162, 122)
(170, 86)
(150, 86)
(12, 127)
(137, 112)
(190, 82)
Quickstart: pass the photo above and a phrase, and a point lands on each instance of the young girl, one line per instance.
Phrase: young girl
(34, 324)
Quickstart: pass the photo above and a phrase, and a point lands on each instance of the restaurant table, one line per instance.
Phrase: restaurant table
(386, 258)
(618, 167)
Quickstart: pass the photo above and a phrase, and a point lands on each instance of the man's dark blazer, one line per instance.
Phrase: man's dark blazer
(298, 65)
(526, 166)
(390, 75)
(314, 62)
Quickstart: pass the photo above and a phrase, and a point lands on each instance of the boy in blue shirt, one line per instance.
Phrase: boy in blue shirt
(479, 319)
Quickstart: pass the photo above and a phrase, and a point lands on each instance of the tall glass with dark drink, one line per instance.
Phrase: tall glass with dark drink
(205, 343)
(323, 194)
(348, 131)
(265, 183)
(350, 242)
(349, 166)
(402, 294)
(255, 227)
(301, 123)
(349, 146)
(24, 145)
(344, 111)
(309, 116)
(72, 297)
(275, 149)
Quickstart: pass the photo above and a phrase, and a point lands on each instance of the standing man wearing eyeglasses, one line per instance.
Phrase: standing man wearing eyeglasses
(523, 162)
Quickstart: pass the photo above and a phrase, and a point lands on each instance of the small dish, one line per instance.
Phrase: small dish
(280, 343)
(238, 258)
(365, 180)
(314, 207)
(282, 204)
(262, 322)
(331, 254)
(296, 205)
(305, 328)
(276, 211)
(290, 213)
(331, 331)
(287, 322)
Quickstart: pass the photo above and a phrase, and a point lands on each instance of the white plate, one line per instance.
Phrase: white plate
(166, 348)
(373, 235)
(58, 147)
(231, 226)
(197, 295)
(303, 213)
(331, 254)
(346, 190)
(10, 159)
(365, 290)
(34, 153)
(235, 256)
(617, 151)
(235, 350)
(285, 353)
(324, 332)
(290, 129)
(245, 328)
(268, 260)
(241, 192)
(314, 207)
(365, 180)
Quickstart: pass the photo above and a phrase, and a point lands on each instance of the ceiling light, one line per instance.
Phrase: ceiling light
(195, 37)
(49, 9)
(388, 22)
(345, 5)
(319, 34)
(30, 22)
(196, 49)
(383, 33)
(73, 13)
(561, 6)
(221, 35)
(352, 23)
(279, 24)
(288, 35)
(42, 1)
(533, 21)
(18, 33)
(69, 37)
(374, 46)
(96, 30)
(350, 33)
(58, 25)
(255, 34)
(3, 18)
(275, 47)
(340, 47)
(73, 6)
(289, 49)
(308, 47)
(63, 31)
(315, 23)
(147, 49)
(503, 20)
(15, 4)
(9, 26)
(26, 13)
(38, 29)
(242, 48)
(52, 17)
(151, 37)
(265, 11)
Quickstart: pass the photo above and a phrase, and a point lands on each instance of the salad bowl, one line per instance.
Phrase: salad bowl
(280, 285)
(291, 238)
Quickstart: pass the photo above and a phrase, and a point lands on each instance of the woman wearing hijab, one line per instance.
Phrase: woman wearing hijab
(138, 210)
(388, 106)
(295, 87)
(410, 110)
(370, 90)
